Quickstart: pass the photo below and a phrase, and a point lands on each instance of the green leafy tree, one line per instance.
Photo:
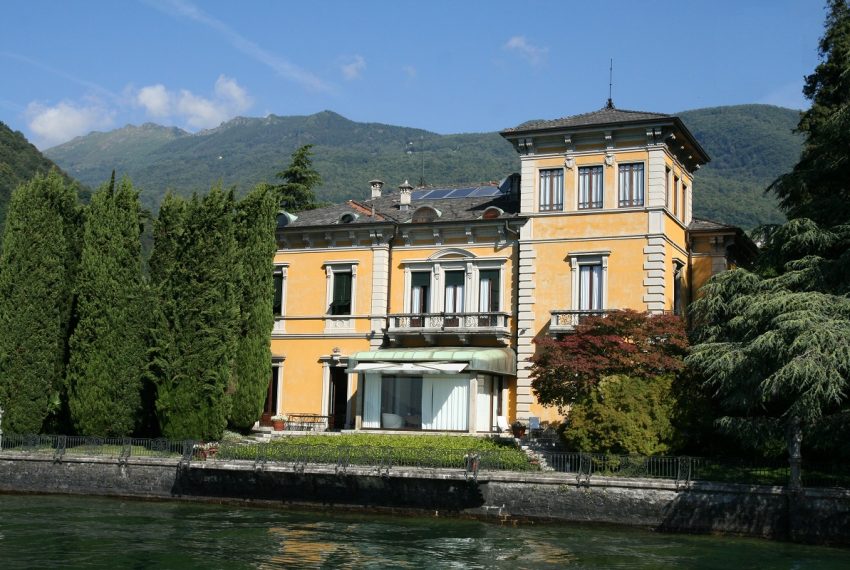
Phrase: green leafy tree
(614, 377)
(108, 348)
(37, 268)
(252, 367)
(819, 185)
(297, 191)
(195, 274)
(624, 415)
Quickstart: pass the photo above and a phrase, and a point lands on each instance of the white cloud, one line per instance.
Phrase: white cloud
(532, 53)
(62, 122)
(279, 65)
(155, 99)
(354, 68)
(196, 111)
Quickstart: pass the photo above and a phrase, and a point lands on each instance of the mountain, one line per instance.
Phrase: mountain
(19, 161)
(750, 146)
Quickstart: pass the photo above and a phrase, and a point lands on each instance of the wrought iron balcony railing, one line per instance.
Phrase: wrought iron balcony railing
(567, 320)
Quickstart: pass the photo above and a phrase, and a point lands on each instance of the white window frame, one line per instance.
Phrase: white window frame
(628, 163)
(578, 186)
(340, 322)
(540, 190)
(472, 282)
(588, 258)
(281, 269)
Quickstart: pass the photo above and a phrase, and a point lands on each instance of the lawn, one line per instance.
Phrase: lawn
(426, 451)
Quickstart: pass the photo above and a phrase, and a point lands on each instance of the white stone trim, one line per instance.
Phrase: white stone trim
(655, 281)
(578, 259)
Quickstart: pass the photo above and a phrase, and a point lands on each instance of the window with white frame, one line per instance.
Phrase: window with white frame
(551, 189)
(590, 287)
(279, 300)
(630, 184)
(341, 279)
(453, 294)
(589, 281)
(420, 292)
(589, 187)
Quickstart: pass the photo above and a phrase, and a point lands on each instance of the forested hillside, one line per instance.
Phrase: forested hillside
(19, 161)
(750, 145)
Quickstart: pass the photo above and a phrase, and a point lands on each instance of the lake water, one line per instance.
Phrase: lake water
(82, 532)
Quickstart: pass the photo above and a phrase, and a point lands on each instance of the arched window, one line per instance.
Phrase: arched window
(425, 214)
(348, 218)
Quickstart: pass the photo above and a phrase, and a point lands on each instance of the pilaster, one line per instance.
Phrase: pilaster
(525, 328)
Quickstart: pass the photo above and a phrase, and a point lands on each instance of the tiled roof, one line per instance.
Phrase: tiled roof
(387, 210)
(699, 224)
(603, 116)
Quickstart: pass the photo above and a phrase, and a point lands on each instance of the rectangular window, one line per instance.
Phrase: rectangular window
(684, 202)
(401, 402)
(420, 297)
(589, 187)
(675, 195)
(488, 296)
(277, 302)
(420, 292)
(341, 300)
(590, 287)
(667, 186)
(631, 184)
(551, 189)
(453, 297)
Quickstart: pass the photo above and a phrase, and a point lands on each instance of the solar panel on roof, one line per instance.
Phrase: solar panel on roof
(435, 194)
(461, 193)
(418, 194)
(486, 191)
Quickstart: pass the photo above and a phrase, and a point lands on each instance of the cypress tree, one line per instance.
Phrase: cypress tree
(252, 366)
(37, 267)
(195, 268)
(108, 346)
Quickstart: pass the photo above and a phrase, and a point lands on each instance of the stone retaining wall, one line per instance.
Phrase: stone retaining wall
(815, 515)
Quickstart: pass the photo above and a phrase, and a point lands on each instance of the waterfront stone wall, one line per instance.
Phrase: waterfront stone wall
(813, 515)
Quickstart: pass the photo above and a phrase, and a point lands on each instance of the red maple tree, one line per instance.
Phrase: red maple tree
(624, 342)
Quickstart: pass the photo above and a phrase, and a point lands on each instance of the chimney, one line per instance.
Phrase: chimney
(404, 195)
(376, 188)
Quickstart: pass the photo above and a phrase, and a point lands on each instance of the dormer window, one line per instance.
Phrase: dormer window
(425, 214)
(285, 218)
(491, 213)
(347, 218)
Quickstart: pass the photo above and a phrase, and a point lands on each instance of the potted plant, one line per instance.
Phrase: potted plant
(279, 422)
(518, 429)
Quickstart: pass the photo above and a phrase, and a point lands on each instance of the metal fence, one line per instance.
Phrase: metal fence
(681, 469)
(382, 459)
(59, 446)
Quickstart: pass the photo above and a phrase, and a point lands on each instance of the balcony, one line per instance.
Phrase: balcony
(493, 325)
(564, 321)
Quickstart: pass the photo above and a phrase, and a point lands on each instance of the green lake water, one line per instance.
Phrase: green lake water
(83, 532)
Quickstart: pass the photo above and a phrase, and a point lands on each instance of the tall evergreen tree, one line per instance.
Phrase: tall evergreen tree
(773, 345)
(296, 192)
(37, 267)
(819, 185)
(256, 242)
(194, 269)
(108, 346)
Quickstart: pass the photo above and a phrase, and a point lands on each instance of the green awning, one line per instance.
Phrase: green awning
(478, 359)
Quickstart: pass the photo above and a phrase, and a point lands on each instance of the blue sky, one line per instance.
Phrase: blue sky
(446, 66)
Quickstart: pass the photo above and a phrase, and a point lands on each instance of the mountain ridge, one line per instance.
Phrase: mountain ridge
(750, 146)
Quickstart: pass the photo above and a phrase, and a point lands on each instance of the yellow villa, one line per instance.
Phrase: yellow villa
(417, 308)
